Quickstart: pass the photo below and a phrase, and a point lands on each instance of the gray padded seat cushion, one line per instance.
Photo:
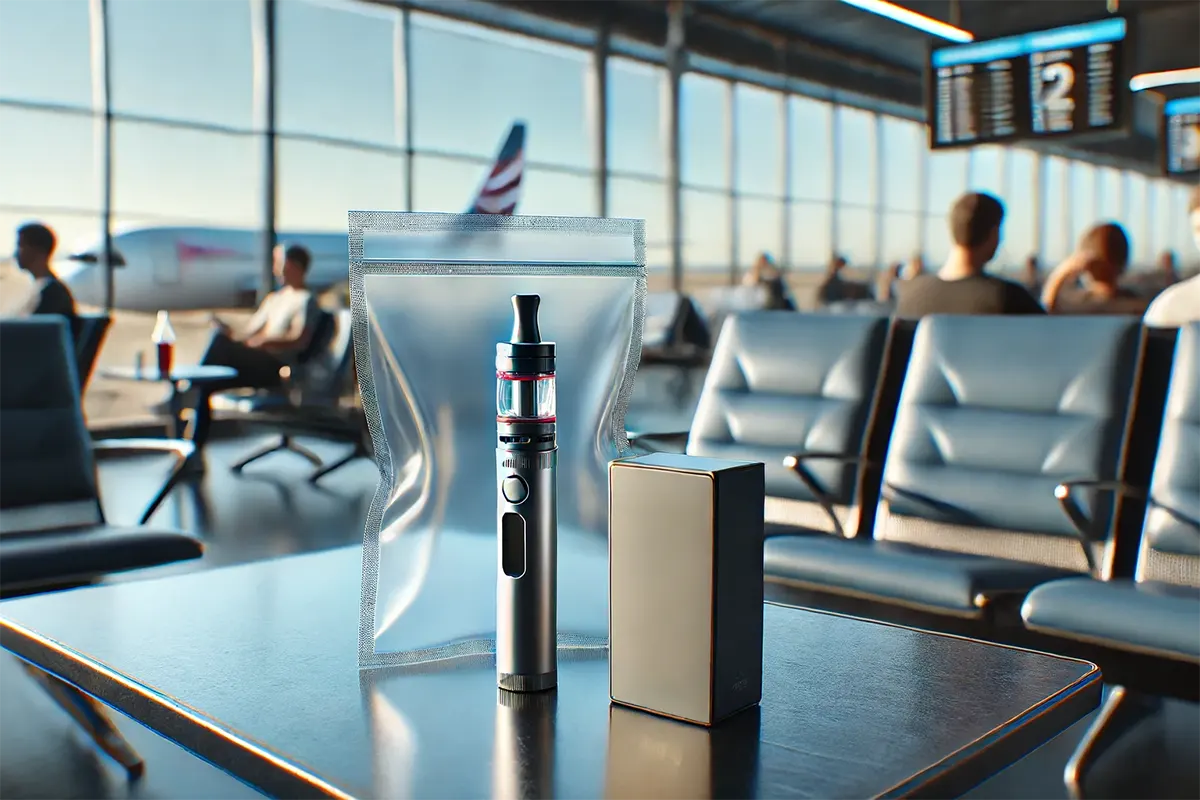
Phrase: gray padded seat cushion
(996, 411)
(1149, 617)
(922, 578)
(782, 382)
(79, 554)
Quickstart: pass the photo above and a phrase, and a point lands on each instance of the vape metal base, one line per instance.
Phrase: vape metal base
(527, 683)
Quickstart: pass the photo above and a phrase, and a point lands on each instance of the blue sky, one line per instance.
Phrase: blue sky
(340, 87)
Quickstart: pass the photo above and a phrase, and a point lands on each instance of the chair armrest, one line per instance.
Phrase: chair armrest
(795, 462)
(181, 449)
(668, 437)
(142, 447)
(1084, 527)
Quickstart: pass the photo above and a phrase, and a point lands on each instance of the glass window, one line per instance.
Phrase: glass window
(1058, 242)
(1184, 240)
(811, 134)
(319, 183)
(901, 237)
(987, 170)
(1020, 209)
(553, 193)
(636, 143)
(855, 157)
(1163, 219)
(219, 183)
(470, 83)
(1136, 214)
(48, 174)
(856, 235)
(165, 63)
(1083, 199)
(947, 180)
(448, 184)
(937, 240)
(45, 52)
(903, 154)
(1109, 193)
(704, 131)
(339, 71)
(760, 230)
(48, 161)
(811, 235)
(706, 234)
(758, 116)
(647, 200)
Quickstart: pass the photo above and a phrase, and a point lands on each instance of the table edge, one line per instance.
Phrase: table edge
(1004, 745)
(213, 742)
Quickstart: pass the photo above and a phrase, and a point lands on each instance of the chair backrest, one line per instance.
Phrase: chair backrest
(323, 332)
(782, 382)
(325, 372)
(1170, 545)
(994, 413)
(89, 337)
(658, 325)
(45, 451)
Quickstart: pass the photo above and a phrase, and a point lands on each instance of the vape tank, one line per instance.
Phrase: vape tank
(527, 515)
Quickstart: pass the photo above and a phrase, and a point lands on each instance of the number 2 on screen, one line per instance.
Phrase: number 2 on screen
(1057, 81)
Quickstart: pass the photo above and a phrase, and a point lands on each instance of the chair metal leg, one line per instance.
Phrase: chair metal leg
(176, 473)
(302, 451)
(93, 718)
(1122, 710)
(358, 452)
(255, 455)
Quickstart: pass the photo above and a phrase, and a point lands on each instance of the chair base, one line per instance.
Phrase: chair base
(1122, 710)
(359, 451)
(284, 442)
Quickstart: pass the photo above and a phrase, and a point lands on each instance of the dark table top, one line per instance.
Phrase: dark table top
(255, 668)
(193, 373)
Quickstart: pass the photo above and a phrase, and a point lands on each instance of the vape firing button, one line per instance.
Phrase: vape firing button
(515, 490)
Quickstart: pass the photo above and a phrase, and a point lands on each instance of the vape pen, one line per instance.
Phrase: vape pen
(527, 515)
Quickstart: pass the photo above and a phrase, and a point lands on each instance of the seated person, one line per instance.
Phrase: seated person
(764, 273)
(1179, 304)
(35, 248)
(1098, 263)
(961, 286)
(836, 289)
(277, 334)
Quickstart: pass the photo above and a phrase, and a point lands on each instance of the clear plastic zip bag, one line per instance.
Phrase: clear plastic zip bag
(431, 297)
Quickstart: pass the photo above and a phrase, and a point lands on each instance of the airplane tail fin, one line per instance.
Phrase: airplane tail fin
(501, 190)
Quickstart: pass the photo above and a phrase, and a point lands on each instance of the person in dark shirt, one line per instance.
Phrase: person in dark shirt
(35, 248)
(1099, 262)
(961, 286)
(836, 289)
(764, 273)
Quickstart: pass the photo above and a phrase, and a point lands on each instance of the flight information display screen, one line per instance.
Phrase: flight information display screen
(1181, 136)
(1058, 82)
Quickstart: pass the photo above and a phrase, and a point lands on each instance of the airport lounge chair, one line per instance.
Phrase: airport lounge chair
(994, 413)
(52, 527)
(90, 332)
(804, 389)
(309, 402)
(1158, 612)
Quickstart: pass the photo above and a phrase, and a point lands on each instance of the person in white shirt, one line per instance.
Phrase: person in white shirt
(278, 333)
(1179, 304)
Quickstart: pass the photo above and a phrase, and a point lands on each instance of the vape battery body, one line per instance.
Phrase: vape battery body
(527, 515)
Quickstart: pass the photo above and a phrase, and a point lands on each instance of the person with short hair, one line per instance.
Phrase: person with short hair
(1099, 261)
(962, 286)
(1180, 304)
(278, 333)
(35, 249)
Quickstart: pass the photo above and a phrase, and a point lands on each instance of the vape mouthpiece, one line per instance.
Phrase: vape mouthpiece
(525, 319)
